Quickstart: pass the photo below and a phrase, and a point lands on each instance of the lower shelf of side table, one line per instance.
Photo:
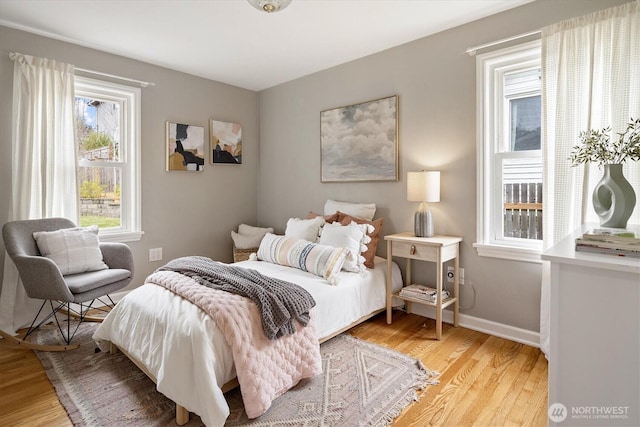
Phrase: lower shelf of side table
(439, 308)
(445, 302)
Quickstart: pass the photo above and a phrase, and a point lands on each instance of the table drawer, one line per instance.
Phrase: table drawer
(414, 251)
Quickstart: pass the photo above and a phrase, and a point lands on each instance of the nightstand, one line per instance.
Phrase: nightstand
(438, 249)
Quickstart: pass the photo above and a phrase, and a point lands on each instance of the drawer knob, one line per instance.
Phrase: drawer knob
(413, 250)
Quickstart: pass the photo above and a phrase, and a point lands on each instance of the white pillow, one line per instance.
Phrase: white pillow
(352, 237)
(74, 250)
(321, 260)
(360, 210)
(307, 229)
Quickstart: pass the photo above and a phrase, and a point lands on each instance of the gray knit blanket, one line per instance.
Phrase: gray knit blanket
(278, 301)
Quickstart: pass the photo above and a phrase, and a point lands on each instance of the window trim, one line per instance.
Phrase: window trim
(487, 101)
(131, 213)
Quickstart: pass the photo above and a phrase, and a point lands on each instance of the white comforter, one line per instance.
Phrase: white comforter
(184, 350)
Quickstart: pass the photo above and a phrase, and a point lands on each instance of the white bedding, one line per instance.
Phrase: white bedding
(184, 350)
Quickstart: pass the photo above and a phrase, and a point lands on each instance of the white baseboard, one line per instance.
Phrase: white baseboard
(523, 336)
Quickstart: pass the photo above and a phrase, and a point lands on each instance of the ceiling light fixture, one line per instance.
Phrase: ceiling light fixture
(270, 6)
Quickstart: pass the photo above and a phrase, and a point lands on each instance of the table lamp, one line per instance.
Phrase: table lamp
(423, 187)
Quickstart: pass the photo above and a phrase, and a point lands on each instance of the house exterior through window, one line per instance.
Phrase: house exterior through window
(108, 146)
(510, 206)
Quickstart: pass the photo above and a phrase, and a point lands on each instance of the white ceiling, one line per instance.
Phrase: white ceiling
(231, 42)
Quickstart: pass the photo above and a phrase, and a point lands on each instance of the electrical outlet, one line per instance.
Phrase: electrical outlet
(451, 275)
(155, 254)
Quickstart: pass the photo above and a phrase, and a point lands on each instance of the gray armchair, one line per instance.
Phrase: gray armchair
(42, 279)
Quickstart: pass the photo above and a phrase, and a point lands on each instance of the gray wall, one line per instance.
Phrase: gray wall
(436, 83)
(185, 213)
(192, 213)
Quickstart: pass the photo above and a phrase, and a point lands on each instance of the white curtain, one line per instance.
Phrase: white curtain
(590, 80)
(43, 164)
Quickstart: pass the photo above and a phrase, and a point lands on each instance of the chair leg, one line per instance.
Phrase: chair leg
(83, 316)
(62, 308)
(26, 343)
(66, 309)
(55, 310)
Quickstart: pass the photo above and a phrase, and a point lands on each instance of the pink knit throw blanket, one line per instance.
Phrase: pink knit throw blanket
(265, 368)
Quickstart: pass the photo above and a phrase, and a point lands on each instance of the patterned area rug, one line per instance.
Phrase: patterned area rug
(362, 384)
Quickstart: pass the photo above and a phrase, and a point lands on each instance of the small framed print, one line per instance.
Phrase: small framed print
(225, 142)
(185, 147)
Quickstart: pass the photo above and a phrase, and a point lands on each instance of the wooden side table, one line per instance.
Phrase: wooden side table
(438, 249)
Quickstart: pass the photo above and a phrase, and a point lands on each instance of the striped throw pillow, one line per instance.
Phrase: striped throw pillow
(321, 260)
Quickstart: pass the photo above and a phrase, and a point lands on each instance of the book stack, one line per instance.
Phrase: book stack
(422, 292)
(610, 242)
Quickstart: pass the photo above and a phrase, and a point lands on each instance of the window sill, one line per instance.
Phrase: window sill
(126, 236)
(508, 252)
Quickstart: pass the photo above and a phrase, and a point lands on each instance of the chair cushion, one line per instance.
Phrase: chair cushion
(85, 282)
(74, 250)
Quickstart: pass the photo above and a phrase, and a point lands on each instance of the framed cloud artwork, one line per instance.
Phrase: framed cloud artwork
(185, 147)
(360, 142)
(225, 141)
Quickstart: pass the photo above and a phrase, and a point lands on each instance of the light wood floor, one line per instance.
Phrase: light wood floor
(484, 381)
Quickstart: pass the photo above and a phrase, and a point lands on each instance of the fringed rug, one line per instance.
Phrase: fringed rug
(362, 384)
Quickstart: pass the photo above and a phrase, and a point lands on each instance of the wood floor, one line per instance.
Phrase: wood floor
(484, 381)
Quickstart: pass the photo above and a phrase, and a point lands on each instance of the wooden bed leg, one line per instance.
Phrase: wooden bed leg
(182, 415)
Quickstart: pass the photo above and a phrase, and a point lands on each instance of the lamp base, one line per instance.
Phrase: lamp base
(423, 222)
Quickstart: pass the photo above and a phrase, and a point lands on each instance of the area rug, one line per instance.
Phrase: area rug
(362, 384)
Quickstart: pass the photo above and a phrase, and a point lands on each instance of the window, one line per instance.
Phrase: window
(108, 145)
(510, 205)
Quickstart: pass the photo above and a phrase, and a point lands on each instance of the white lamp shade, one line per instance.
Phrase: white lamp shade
(423, 186)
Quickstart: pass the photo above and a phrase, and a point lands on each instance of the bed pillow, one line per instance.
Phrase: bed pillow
(360, 210)
(321, 260)
(352, 237)
(327, 218)
(307, 229)
(372, 246)
(74, 250)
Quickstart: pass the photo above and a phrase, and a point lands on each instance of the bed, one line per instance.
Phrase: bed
(181, 348)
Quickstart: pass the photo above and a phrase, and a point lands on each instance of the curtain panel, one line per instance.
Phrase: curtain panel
(44, 182)
(590, 80)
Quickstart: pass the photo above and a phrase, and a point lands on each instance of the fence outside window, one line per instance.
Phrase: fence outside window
(523, 210)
